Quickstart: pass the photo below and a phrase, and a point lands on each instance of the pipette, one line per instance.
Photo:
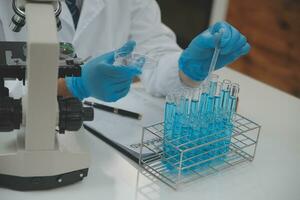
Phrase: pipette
(214, 59)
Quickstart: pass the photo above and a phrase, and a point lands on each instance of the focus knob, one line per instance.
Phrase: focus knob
(10, 114)
(72, 114)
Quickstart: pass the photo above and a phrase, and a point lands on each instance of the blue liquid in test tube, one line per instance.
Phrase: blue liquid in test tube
(203, 98)
(177, 118)
(193, 122)
(194, 113)
(222, 100)
(200, 123)
(170, 108)
(210, 116)
(225, 93)
(180, 117)
(217, 120)
(194, 107)
(172, 127)
(218, 100)
(226, 85)
(231, 110)
(181, 124)
(212, 79)
(206, 105)
(211, 93)
(185, 123)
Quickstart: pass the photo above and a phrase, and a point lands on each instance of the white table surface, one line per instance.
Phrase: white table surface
(274, 174)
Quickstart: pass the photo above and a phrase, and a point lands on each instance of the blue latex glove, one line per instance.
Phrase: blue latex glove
(195, 60)
(102, 80)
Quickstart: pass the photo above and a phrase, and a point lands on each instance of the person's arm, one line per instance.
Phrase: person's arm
(187, 81)
(62, 89)
(101, 79)
(160, 42)
(176, 67)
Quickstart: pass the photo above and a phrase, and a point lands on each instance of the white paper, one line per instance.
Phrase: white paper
(127, 131)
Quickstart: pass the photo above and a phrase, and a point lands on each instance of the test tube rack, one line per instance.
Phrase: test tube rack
(185, 169)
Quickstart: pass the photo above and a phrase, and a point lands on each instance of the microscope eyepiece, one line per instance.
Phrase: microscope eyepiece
(18, 20)
(57, 13)
(17, 23)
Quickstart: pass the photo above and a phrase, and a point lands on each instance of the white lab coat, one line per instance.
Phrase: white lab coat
(105, 25)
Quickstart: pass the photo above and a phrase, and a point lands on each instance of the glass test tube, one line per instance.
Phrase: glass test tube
(232, 103)
(226, 85)
(203, 98)
(187, 97)
(186, 126)
(218, 103)
(211, 93)
(178, 115)
(170, 109)
(213, 84)
(231, 109)
(194, 107)
(194, 114)
(210, 116)
(217, 112)
(218, 121)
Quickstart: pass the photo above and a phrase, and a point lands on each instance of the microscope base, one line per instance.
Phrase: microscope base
(41, 183)
(22, 169)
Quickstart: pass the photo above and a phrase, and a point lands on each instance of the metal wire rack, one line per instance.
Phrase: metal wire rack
(176, 163)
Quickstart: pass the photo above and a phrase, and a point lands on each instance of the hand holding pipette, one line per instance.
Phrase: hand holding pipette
(195, 61)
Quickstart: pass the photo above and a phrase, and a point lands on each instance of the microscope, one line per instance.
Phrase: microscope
(42, 144)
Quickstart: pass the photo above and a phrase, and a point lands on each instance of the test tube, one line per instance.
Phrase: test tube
(210, 115)
(232, 103)
(194, 114)
(183, 103)
(218, 103)
(211, 93)
(226, 86)
(217, 110)
(218, 125)
(203, 98)
(223, 114)
(170, 109)
(186, 126)
(178, 117)
(194, 107)
(231, 109)
(213, 84)
(187, 93)
(170, 112)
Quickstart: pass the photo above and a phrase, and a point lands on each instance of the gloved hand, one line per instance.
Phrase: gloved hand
(102, 80)
(195, 60)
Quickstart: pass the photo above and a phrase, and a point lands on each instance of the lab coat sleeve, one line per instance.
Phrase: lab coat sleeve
(159, 42)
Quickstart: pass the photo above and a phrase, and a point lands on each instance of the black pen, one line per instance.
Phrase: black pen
(118, 111)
